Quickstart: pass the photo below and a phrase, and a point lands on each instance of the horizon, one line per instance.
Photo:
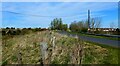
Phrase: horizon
(45, 12)
(41, 27)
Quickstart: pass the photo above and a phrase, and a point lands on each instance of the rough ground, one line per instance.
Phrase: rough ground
(60, 49)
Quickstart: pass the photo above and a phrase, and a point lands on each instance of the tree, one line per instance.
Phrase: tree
(64, 27)
(112, 25)
(74, 27)
(57, 24)
(52, 25)
(60, 24)
(7, 28)
(86, 25)
(80, 26)
(95, 24)
(12, 28)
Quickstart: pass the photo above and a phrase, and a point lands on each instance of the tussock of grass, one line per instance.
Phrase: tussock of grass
(66, 50)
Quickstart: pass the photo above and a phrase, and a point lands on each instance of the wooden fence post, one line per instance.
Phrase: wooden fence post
(19, 55)
(44, 52)
(79, 51)
(19, 58)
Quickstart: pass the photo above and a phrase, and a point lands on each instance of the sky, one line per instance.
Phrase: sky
(60, 0)
(40, 14)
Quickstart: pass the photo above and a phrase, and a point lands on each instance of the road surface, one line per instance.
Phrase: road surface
(104, 41)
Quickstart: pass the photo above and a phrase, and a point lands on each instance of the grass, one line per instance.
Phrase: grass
(66, 50)
(0, 48)
(111, 38)
(112, 56)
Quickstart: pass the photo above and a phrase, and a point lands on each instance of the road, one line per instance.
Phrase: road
(103, 41)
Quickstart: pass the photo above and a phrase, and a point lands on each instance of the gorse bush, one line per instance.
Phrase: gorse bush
(18, 31)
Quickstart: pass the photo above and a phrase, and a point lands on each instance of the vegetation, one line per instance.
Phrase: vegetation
(18, 31)
(80, 26)
(67, 50)
(94, 36)
(10, 32)
(58, 25)
(44, 46)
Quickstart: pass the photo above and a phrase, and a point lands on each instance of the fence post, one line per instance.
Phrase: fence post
(44, 52)
(80, 50)
(53, 43)
(20, 58)
(19, 54)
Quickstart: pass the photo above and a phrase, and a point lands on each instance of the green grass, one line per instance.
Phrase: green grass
(66, 50)
(95, 36)
(112, 56)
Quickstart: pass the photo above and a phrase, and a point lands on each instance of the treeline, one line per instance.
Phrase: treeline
(80, 26)
(93, 27)
(18, 31)
(57, 24)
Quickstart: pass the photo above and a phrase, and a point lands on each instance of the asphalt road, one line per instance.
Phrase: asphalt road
(104, 41)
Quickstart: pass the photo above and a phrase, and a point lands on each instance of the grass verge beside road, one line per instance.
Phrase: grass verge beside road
(66, 50)
(94, 36)
(114, 53)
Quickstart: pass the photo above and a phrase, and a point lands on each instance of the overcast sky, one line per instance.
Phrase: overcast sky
(40, 14)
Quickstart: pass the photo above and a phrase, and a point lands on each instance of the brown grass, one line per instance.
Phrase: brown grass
(67, 50)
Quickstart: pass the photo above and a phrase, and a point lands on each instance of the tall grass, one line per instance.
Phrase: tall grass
(67, 50)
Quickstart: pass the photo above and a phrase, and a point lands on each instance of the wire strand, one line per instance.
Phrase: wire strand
(37, 15)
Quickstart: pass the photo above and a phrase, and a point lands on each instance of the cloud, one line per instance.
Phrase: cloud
(76, 10)
(58, 8)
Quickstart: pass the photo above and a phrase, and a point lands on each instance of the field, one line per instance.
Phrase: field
(49, 47)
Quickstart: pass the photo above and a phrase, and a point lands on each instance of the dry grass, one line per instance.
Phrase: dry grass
(0, 48)
(67, 50)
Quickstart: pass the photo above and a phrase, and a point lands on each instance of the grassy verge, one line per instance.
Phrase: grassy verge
(113, 55)
(111, 38)
(66, 50)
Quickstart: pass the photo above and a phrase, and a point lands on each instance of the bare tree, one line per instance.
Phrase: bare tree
(96, 23)
(112, 25)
